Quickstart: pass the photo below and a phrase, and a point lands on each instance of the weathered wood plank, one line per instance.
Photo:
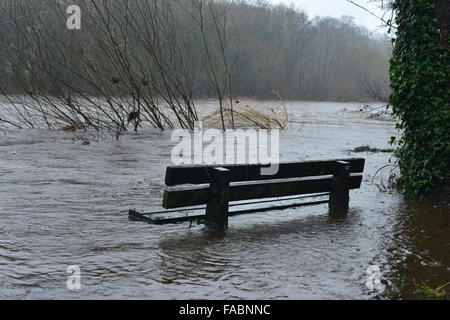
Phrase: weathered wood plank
(201, 174)
(191, 196)
(236, 204)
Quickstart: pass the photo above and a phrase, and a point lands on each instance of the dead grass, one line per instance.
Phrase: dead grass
(255, 113)
(367, 148)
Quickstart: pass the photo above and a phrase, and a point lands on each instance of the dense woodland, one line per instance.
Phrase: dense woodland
(266, 47)
(176, 51)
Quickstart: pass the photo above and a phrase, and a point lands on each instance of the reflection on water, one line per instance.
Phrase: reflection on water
(63, 203)
(419, 249)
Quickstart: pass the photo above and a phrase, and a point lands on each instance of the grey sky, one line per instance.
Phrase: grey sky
(337, 8)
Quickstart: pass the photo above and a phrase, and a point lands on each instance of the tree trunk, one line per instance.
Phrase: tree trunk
(443, 15)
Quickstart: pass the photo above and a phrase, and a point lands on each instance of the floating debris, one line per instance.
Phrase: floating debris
(367, 148)
(71, 128)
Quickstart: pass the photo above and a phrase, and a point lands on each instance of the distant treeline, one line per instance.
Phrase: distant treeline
(135, 59)
(259, 46)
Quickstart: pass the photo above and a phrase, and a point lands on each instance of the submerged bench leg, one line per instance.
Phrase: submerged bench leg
(339, 196)
(217, 207)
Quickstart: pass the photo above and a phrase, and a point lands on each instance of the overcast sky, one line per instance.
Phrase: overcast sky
(337, 8)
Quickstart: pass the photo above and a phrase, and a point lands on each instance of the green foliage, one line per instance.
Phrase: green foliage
(424, 289)
(420, 96)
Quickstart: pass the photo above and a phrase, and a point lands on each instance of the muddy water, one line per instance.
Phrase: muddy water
(64, 203)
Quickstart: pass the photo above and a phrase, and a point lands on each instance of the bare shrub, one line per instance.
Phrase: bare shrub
(271, 114)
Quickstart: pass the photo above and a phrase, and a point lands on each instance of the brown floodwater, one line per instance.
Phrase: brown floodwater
(65, 203)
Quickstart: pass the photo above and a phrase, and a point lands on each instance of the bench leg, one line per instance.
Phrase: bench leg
(217, 207)
(339, 197)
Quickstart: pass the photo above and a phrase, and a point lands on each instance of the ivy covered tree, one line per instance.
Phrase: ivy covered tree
(420, 76)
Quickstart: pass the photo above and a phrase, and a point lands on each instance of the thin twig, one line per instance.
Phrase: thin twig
(388, 23)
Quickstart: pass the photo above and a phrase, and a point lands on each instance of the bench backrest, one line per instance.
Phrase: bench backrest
(248, 183)
(251, 172)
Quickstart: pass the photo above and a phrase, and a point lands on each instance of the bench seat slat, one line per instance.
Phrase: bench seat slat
(198, 195)
(245, 172)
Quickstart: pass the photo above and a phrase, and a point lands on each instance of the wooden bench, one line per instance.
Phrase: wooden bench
(244, 182)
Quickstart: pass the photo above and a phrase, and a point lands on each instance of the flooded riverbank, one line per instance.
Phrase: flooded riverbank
(65, 203)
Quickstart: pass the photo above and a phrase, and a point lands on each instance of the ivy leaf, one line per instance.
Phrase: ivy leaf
(392, 141)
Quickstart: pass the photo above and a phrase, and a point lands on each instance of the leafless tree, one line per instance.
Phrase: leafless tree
(144, 62)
